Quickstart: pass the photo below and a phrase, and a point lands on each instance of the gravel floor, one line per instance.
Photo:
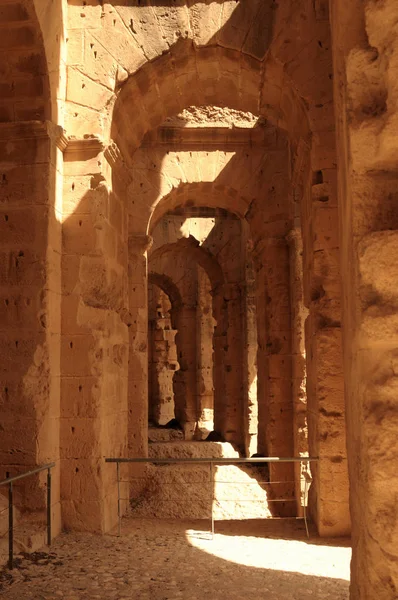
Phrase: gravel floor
(166, 560)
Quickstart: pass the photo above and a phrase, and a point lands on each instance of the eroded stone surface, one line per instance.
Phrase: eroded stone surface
(146, 563)
(77, 207)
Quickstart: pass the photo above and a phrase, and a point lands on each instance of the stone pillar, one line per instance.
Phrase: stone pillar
(366, 105)
(138, 345)
(275, 406)
(185, 380)
(228, 417)
(205, 332)
(94, 349)
(219, 345)
(249, 346)
(299, 375)
(163, 365)
(328, 496)
(30, 292)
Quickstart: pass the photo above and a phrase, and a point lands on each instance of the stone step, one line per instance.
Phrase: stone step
(188, 492)
(162, 434)
(183, 449)
(30, 534)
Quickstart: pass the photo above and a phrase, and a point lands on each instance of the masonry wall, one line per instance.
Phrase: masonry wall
(30, 292)
(221, 358)
(366, 102)
(30, 167)
(122, 82)
(95, 319)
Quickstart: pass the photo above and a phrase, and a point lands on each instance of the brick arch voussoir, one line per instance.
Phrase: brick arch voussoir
(199, 255)
(206, 195)
(167, 285)
(187, 76)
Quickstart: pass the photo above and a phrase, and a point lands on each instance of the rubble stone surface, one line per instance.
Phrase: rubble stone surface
(166, 560)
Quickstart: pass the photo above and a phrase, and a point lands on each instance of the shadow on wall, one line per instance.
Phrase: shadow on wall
(260, 14)
(97, 317)
(32, 71)
(223, 260)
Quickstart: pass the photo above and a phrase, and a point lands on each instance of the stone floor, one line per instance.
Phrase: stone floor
(168, 560)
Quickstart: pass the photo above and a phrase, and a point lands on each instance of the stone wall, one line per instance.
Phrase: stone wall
(219, 261)
(162, 356)
(366, 102)
(30, 172)
(75, 279)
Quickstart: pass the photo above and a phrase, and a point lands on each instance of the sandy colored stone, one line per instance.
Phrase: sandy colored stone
(278, 117)
(145, 561)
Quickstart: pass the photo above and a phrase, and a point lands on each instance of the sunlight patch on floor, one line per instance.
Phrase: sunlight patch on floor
(281, 555)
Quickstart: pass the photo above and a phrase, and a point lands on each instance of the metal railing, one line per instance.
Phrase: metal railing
(219, 461)
(10, 481)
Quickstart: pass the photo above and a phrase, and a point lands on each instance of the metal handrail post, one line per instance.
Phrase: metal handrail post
(305, 502)
(49, 507)
(118, 499)
(27, 474)
(212, 484)
(218, 461)
(10, 527)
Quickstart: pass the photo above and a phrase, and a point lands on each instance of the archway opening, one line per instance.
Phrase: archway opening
(162, 357)
(207, 252)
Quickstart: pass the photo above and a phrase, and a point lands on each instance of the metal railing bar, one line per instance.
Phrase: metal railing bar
(49, 506)
(212, 500)
(218, 461)
(215, 481)
(23, 475)
(214, 461)
(225, 500)
(253, 482)
(10, 481)
(255, 500)
(10, 527)
(118, 498)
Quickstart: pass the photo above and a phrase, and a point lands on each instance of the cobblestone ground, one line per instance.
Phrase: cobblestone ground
(159, 560)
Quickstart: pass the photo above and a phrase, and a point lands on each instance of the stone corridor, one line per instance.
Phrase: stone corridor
(170, 560)
(199, 246)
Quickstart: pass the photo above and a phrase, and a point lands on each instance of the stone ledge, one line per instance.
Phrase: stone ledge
(225, 137)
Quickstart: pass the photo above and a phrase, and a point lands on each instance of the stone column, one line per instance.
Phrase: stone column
(164, 366)
(328, 496)
(94, 349)
(366, 106)
(205, 332)
(30, 292)
(138, 345)
(299, 393)
(219, 345)
(275, 406)
(249, 347)
(228, 340)
(185, 380)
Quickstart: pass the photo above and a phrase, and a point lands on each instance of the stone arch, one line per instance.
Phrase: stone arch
(191, 249)
(168, 286)
(199, 255)
(300, 102)
(163, 352)
(243, 180)
(187, 75)
(206, 194)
